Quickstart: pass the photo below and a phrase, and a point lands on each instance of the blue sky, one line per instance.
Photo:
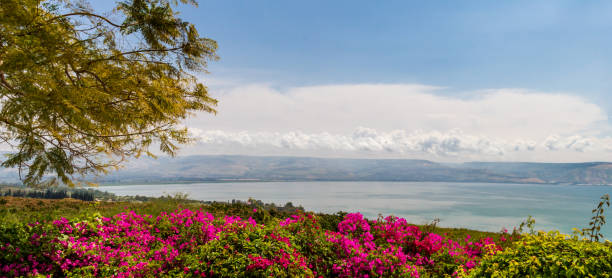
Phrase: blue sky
(543, 45)
(439, 80)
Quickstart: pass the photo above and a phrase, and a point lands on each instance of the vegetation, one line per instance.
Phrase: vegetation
(174, 236)
(49, 193)
(312, 236)
(598, 219)
(548, 255)
(80, 91)
(540, 254)
(61, 192)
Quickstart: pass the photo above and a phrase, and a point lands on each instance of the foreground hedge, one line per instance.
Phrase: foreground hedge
(548, 255)
(194, 243)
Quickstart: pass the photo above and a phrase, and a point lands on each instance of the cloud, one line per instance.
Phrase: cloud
(454, 143)
(524, 145)
(403, 119)
(362, 139)
(576, 142)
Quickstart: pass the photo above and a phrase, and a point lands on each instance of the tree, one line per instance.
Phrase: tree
(80, 91)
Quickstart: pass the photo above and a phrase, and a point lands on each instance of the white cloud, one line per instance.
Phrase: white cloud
(552, 143)
(575, 142)
(524, 145)
(403, 120)
(362, 139)
(366, 140)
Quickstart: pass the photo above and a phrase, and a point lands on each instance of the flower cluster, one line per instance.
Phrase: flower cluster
(194, 243)
(392, 247)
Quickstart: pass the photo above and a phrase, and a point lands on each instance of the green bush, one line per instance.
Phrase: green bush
(548, 255)
(247, 251)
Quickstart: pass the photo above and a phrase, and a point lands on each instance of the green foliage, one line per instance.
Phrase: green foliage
(548, 255)
(49, 193)
(431, 226)
(20, 210)
(247, 249)
(234, 253)
(598, 220)
(304, 241)
(330, 221)
(28, 210)
(528, 223)
(80, 92)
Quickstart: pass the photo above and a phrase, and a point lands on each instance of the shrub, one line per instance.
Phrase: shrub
(194, 243)
(246, 250)
(548, 255)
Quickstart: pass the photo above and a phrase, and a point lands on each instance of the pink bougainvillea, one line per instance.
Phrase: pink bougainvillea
(133, 245)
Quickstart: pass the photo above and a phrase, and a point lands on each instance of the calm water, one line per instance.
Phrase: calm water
(483, 206)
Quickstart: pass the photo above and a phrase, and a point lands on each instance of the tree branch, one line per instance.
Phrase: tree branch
(135, 52)
(96, 77)
(157, 129)
(5, 83)
(89, 15)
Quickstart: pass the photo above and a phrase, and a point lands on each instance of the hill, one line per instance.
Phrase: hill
(249, 168)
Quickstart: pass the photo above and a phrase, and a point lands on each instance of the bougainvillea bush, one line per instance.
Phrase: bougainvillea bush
(194, 243)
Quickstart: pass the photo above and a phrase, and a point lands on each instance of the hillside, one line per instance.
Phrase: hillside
(218, 168)
(261, 168)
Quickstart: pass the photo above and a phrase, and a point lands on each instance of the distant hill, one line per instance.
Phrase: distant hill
(248, 168)
(222, 168)
(571, 173)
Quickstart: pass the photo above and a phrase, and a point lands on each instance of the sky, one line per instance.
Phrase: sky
(439, 80)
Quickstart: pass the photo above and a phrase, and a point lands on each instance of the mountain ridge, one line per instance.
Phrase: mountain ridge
(222, 168)
(287, 168)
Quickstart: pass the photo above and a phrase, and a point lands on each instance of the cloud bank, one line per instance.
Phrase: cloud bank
(453, 144)
(410, 121)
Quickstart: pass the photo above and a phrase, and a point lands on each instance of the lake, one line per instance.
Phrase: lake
(482, 206)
